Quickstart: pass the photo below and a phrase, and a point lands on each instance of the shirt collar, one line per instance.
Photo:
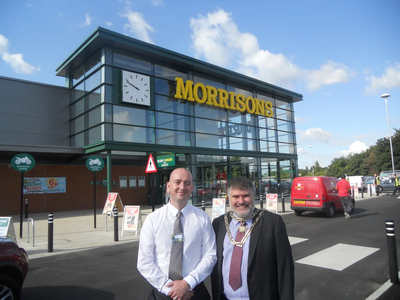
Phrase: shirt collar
(174, 210)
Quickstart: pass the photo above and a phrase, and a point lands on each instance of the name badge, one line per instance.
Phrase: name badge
(178, 237)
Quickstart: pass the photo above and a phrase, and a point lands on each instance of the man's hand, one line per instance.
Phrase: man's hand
(180, 290)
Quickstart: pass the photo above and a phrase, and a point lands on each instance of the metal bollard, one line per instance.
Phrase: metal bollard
(261, 201)
(362, 191)
(392, 252)
(370, 190)
(203, 205)
(33, 229)
(283, 203)
(115, 224)
(26, 208)
(50, 233)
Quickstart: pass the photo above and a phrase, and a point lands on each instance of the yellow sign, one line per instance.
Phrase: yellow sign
(209, 95)
(299, 202)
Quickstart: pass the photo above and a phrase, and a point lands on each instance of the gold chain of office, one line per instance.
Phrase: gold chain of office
(245, 237)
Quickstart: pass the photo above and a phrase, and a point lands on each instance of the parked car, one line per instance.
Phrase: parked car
(316, 193)
(14, 266)
(386, 186)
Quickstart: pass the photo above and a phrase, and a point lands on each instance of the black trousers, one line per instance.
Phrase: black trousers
(200, 293)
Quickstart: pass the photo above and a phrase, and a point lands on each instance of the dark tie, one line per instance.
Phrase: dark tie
(235, 280)
(175, 263)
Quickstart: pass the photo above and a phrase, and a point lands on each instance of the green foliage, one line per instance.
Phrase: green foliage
(372, 161)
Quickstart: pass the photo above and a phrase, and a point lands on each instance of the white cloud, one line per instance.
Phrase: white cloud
(389, 79)
(157, 2)
(317, 134)
(88, 21)
(108, 23)
(301, 119)
(138, 26)
(16, 61)
(217, 39)
(329, 73)
(356, 147)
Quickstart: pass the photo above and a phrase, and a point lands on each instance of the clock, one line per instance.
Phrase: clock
(135, 88)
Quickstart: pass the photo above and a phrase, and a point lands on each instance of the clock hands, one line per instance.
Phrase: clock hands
(127, 81)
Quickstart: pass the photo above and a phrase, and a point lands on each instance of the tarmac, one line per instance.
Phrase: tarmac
(76, 231)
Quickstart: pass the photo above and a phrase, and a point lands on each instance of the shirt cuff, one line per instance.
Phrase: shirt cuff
(165, 290)
(191, 281)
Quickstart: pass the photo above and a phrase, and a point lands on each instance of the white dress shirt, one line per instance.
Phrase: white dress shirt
(242, 292)
(199, 248)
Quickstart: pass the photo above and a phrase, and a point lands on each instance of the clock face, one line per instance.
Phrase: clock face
(135, 88)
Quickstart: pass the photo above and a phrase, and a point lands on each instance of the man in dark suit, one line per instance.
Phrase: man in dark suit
(254, 255)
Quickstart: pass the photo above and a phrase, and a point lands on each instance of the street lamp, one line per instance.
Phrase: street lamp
(312, 160)
(385, 96)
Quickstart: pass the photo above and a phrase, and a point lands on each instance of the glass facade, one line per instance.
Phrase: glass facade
(254, 145)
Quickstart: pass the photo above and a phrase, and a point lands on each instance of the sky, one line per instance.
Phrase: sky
(340, 55)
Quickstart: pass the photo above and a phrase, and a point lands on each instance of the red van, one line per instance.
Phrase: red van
(315, 194)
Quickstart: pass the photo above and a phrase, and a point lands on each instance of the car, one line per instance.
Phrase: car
(14, 266)
(386, 186)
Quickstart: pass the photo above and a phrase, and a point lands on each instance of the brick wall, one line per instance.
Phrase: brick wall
(79, 192)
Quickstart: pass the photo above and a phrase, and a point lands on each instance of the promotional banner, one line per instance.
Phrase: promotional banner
(272, 202)
(131, 218)
(113, 199)
(49, 185)
(218, 207)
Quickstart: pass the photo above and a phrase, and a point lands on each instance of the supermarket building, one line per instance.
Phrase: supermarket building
(125, 99)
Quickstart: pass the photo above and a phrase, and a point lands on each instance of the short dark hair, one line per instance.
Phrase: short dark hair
(343, 176)
(240, 183)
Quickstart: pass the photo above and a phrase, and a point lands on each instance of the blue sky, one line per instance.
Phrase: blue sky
(340, 55)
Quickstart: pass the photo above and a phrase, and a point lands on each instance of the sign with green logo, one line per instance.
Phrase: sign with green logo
(23, 162)
(164, 161)
(95, 163)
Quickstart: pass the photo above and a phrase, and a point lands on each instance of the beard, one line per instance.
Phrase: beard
(243, 210)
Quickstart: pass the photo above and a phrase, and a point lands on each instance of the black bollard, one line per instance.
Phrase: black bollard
(392, 252)
(261, 201)
(115, 224)
(370, 190)
(203, 205)
(50, 233)
(283, 203)
(26, 208)
(362, 192)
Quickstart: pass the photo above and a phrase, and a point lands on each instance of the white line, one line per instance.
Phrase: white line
(379, 292)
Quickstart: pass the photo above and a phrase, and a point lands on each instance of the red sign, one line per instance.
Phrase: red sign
(151, 166)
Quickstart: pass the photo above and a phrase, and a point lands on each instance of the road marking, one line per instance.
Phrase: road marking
(296, 240)
(338, 257)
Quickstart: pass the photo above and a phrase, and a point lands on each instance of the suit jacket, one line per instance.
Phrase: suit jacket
(270, 264)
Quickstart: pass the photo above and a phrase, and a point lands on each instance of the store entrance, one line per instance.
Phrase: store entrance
(163, 179)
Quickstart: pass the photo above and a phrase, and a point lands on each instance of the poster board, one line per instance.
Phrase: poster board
(132, 218)
(113, 199)
(272, 202)
(7, 229)
(218, 207)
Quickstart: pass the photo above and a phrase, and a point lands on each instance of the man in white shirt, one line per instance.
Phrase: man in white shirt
(156, 238)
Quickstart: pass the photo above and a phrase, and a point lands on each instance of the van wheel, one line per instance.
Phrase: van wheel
(331, 212)
(298, 213)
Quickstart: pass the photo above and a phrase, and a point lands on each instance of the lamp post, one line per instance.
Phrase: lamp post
(312, 160)
(385, 96)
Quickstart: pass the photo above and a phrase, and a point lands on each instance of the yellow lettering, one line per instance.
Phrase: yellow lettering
(211, 96)
(268, 109)
(260, 108)
(223, 97)
(184, 90)
(196, 93)
(253, 106)
(232, 99)
(240, 106)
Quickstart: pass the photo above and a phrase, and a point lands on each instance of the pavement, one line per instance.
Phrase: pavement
(75, 231)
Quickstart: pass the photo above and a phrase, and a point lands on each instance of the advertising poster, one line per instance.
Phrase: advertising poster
(272, 202)
(112, 200)
(131, 218)
(218, 207)
(48, 185)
